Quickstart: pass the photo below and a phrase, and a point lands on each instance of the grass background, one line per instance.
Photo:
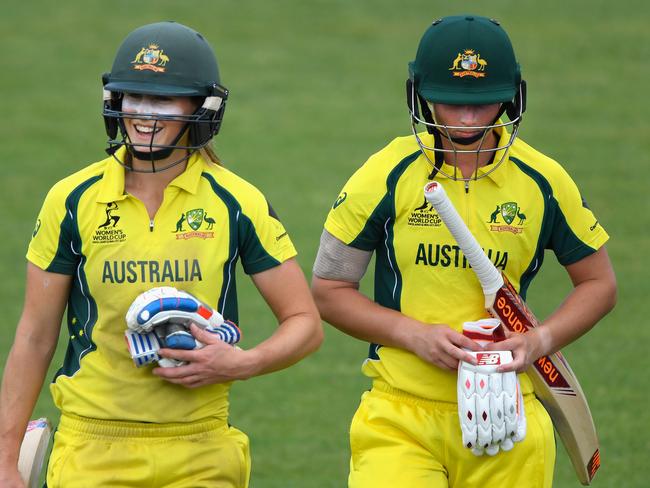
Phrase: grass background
(315, 88)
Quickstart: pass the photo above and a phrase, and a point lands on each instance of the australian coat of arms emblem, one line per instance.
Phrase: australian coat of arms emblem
(469, 63)
(150, 58)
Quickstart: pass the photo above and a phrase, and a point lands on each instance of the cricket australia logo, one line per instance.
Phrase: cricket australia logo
(469, 63)
(108, 232)
(150, 58)
(194, 219)
(424, 216)
(512, 217)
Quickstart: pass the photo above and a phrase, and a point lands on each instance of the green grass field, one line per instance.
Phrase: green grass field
(316, 87)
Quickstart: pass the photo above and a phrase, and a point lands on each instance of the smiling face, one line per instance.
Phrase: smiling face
(149, 133)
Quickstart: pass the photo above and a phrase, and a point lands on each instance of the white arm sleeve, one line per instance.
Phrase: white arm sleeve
(338, 261)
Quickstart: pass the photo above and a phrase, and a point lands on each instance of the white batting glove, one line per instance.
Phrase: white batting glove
(490, 404)
(164, 304)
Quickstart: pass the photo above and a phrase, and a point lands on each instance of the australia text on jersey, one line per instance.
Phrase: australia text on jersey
(446, 255)
(166, 271)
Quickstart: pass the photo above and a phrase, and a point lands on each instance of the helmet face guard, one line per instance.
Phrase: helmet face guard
(200, 127)
(465, 60)
(170, 60)
(422, 114)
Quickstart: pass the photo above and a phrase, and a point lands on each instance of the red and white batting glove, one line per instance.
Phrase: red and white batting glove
(490, 404)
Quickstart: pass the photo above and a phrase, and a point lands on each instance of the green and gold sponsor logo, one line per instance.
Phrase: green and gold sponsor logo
(507, 217)
(150, 58)
(195, 219)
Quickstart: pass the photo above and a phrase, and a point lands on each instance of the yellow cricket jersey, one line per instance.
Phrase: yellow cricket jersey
(91, 229)
(528, 204)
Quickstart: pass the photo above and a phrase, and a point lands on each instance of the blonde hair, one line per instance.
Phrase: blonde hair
(209, 155)
(207, 152)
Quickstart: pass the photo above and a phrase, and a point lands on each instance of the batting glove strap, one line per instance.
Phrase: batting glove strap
(484, 331)
(490, 404)
(144, 348)
(227, 332)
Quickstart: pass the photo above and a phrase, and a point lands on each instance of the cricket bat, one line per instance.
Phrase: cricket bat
(555, 384)
(33, 450)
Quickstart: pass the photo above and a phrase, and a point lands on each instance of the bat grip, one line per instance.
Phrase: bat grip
(489, 277)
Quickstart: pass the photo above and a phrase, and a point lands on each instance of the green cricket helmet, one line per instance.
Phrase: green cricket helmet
(465, 60)
(171, 60)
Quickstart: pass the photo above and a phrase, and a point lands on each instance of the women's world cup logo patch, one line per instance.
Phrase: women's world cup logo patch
(469, 63)
(150, 58)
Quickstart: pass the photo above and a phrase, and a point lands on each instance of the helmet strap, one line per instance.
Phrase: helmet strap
(159, 154)
(426, 113)
(415, 102)
(439, 156)
(466, 141)
(151, 155)
(517, 107)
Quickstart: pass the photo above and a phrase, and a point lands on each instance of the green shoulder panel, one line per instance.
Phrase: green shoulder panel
(245, 244)
(69, 247)
(555, 233)
(69, 259)
(388, 277)
(373, 231)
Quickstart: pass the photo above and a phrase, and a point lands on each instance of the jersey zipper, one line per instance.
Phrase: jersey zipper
(468, 204)
(150, 225)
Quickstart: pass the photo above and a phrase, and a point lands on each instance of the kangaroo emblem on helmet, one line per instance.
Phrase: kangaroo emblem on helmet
(469, 62)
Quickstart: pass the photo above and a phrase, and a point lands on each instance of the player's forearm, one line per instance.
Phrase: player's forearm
(347, 309)
(295, 338)
(23, 377)
(589, 301)
(36, 338)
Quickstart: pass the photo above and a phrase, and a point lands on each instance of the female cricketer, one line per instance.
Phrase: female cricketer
(517, 202)
(159, 211)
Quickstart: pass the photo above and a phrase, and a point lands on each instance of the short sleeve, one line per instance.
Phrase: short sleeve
(577, 232)
(263, 240)
(360, 212)
(52, 245)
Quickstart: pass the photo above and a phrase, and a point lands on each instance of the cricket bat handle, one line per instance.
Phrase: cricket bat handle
(33, 450)
(489, 277)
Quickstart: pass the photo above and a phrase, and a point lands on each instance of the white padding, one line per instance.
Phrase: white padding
(212, 103)
(338, 261)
